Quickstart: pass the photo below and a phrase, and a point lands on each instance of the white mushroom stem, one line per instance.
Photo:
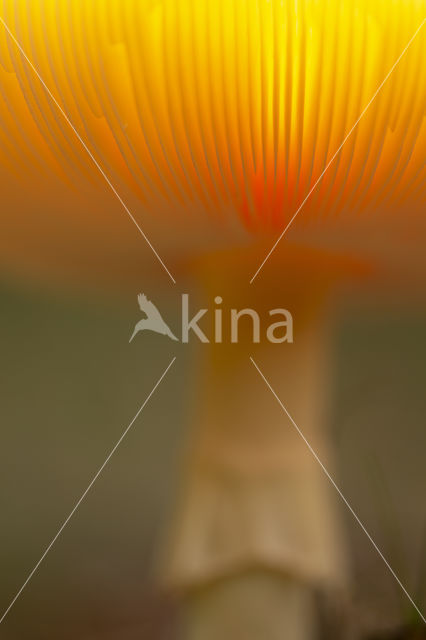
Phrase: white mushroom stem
(253, 605)
(255, 528)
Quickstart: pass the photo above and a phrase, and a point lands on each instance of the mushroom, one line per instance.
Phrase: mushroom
(218, 127)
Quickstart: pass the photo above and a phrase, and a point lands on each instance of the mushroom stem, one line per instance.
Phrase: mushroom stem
(255, 528)
(251, 605)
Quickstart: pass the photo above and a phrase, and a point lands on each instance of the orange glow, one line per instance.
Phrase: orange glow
(231, 105)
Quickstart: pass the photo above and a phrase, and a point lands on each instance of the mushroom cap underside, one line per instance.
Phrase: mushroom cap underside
(214, 122)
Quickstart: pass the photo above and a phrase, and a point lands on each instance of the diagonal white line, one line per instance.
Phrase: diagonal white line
(315, 455)
(86, 148)
(92, 482)
(364, 111)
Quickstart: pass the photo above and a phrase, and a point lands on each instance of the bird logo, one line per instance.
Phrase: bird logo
(153, 320)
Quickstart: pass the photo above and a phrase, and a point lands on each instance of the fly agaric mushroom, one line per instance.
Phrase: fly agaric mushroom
(215, 121)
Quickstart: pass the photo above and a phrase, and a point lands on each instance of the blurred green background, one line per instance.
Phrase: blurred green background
(70, 384)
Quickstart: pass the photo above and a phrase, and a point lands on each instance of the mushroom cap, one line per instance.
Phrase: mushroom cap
(212, 121)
